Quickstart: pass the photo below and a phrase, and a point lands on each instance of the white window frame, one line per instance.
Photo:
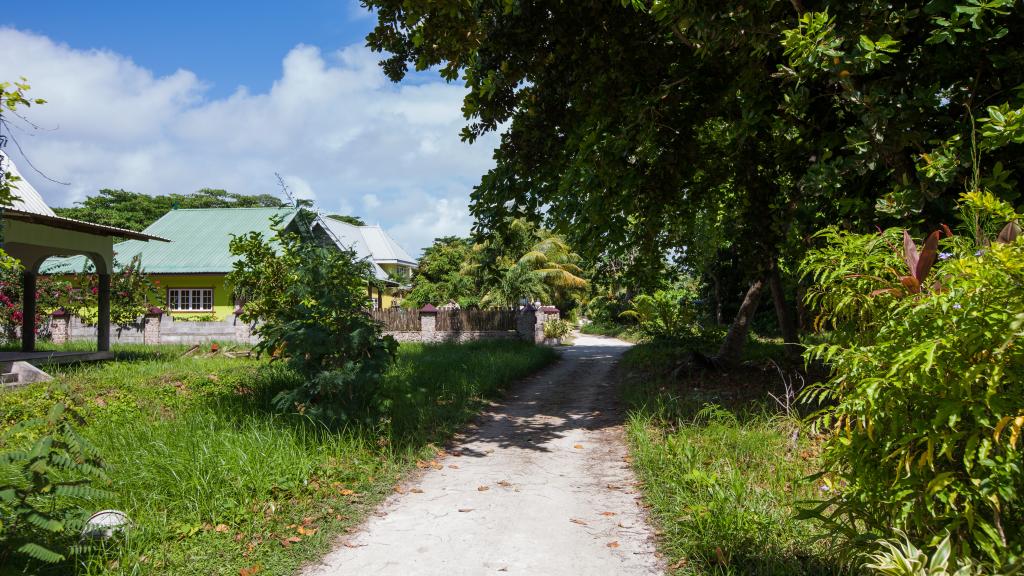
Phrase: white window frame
(198, 296)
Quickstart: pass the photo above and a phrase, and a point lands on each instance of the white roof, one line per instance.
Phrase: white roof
(383, 247)
(29, 199)
(367, 246)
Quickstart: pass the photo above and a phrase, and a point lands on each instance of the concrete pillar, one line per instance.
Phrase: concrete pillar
(428, 321)
(103, 309)
(60, 326)
(151, 326)
(529, 324)
(28, 311)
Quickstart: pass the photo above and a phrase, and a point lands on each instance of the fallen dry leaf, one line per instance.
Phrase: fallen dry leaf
(679, 565)
(287, 542)
(221, 528)
(351, 545)
(578, 446)
(577, 521)
(306, 531)
(416, 491)
(613, 544)
(455, 466)
(465, 509)
(251, 570)
(435, 465)
(607, 513)
(505, 484)
(483, 488)
(721, 556)
(346, 492)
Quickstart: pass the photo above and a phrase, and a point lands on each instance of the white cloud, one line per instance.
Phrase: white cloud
(332, 124)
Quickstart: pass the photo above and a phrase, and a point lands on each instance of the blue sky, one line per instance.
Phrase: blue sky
(226, 43)
(172, 97)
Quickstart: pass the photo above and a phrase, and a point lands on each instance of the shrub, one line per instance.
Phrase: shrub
(664, 315)
(310, 300)
(46, 470)
(50, 293)
(925, 401)
(132, 292)
(902, 558)
(557, 329)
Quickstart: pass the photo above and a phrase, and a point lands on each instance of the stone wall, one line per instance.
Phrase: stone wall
(156, 328)
(160, 328)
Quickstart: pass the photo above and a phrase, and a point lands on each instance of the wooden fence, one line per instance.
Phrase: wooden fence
(475, 320)
(398, 319)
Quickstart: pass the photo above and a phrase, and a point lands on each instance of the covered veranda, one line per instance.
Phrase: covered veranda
(32, 232)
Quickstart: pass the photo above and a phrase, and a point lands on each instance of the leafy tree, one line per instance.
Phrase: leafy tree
(439, 278)
(353, 220)
(136, 211)
(308, 300)
(638, 127)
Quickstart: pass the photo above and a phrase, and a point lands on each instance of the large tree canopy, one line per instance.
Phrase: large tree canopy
(136, 211)
(640, 126)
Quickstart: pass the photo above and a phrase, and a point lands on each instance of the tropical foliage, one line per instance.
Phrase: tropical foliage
(501, 269)
(307, 299)
(47, 470)
(924, 407)
(665, 315)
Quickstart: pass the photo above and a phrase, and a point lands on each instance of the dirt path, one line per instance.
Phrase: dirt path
(537, 486)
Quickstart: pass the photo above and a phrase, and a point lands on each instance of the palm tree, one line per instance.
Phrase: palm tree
(554, 262)
(516, 283)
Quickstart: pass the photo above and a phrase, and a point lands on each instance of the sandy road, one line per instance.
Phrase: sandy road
(537, 486)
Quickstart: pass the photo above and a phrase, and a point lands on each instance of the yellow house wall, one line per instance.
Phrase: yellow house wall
(223, 303)
(392, 295)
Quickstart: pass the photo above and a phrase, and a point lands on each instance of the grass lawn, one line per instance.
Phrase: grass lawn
(215, 481)
(721, 467)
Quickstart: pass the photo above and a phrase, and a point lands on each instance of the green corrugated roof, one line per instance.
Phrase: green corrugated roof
(198, 244)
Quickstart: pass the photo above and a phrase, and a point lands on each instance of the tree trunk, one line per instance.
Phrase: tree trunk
(732, 347)
(786, 316)
(718, 300)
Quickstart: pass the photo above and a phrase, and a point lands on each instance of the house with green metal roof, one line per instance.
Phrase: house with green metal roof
(191, 269)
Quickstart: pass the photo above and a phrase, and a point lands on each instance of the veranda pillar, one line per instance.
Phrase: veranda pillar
(28, 310)
(103, 324)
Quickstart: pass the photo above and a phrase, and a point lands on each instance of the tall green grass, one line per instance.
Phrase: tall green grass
(721, 468)
(215, 481)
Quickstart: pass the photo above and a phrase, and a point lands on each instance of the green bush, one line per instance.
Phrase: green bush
(46, 470)
(557, 329)
(926, 397)
(310, 300)
(664, 315)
